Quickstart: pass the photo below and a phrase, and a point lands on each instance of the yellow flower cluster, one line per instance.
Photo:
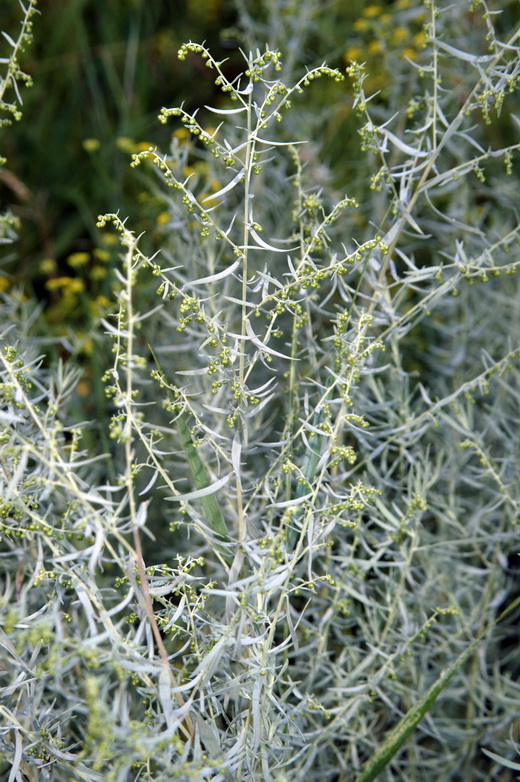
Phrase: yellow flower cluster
(78, 293)
(132, 147)
(379, 35)
(78, 259)
(67, 286)
(125, 144)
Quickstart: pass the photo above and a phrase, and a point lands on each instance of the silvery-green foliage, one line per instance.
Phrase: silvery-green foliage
(315, 444)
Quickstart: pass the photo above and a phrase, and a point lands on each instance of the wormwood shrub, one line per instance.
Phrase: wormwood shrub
(291, 565)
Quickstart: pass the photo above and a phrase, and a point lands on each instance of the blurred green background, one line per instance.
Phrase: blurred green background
(102, 71)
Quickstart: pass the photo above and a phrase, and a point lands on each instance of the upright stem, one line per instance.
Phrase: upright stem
(249, 151)
(127, 360)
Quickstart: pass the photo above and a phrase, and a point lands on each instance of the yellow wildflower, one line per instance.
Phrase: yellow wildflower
(399, 35)
(144, 146)
(57, 282)
(91, 144)
(126, 144)
(69, 285)
(98, 273)
(360, 25)
(5, 284)
(181, 133)
(78, 259)
(409, 52)
(110, 239)
(48, 266)
(101, 255)
(353, 53)
(75, 286)
(372, 10)
(163, 218)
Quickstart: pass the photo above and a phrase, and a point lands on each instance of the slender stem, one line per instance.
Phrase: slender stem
(148, 606)
(249, 152)
(127, 359)
(435, 75)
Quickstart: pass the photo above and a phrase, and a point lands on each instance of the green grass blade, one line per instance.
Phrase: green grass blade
(397, 737)
(511, 607)
(309, 467)
(201, 480)
(199, 473)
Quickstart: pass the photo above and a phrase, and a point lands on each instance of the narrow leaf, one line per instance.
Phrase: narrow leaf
(9, 39)
(204, 491)
(406, 148)
(503, 761)
(259, 344)
(225, 111)
(14, 774)
(236, 450)
(266, 246)
(214, 278)
(461, 55)
(236, 179)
